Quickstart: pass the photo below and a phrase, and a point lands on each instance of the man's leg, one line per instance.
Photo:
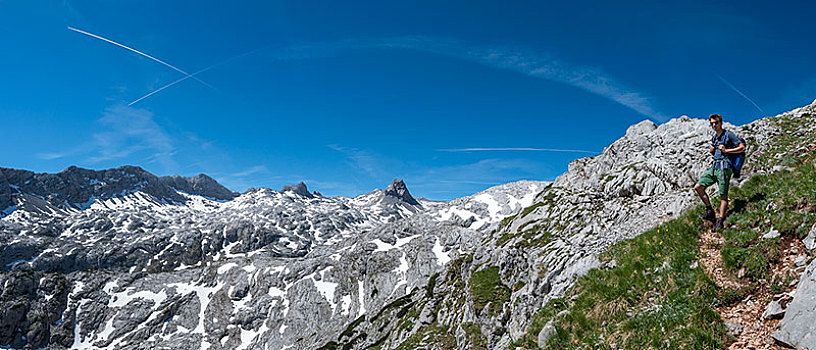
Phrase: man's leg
(723, 205)
(706, 180)
(703, 195)
(723, 177)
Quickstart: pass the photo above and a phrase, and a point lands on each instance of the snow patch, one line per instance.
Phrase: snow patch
(123, 298)
(226, 267)
(345, 304)
(361, 296)
(442, 257)
(384, 247)
(326, 288)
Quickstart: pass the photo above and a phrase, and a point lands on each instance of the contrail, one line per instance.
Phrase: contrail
(192, 76)
(171, 84)
(514, 149)
(141, 53)
(740, 92)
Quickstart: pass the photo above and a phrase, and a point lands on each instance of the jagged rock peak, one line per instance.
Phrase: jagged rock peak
(300, 189)
(398, 189)
(201, 185)
(643, 127)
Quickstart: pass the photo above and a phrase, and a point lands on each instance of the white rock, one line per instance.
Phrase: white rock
(810, 240)
(800, 261)
(772, 234)
(546, 333)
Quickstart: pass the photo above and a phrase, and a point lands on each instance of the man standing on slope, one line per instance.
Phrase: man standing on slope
(723, 144)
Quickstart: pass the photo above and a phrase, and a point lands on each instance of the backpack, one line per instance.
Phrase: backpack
(736, 160)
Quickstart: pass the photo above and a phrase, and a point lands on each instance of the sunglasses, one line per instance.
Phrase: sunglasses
(715, 123)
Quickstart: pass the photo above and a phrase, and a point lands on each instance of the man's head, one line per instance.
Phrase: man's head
(716, 122)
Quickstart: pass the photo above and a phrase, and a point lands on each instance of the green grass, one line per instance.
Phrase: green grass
(486, 288)
(782, 148)
(652, 299)
(783, 201)
(530, 209)
(474, 336)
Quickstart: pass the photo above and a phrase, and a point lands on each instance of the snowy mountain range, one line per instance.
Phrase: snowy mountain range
(126, 247)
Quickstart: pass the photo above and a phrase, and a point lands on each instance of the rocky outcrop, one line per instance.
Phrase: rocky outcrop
(397, 189)
(796, 329)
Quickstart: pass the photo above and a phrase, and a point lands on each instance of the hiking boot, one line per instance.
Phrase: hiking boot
(708, 215)
(718, 224)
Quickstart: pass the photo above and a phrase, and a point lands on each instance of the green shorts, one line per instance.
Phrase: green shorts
(716, 175)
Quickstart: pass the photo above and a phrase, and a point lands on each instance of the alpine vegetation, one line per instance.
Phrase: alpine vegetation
(610, 255)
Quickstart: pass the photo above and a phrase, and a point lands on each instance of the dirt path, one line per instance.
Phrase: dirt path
(746, 314)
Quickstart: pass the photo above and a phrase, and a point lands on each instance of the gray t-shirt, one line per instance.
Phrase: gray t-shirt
(730, 140)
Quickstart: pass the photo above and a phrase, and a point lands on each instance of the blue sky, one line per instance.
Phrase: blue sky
(349, 95)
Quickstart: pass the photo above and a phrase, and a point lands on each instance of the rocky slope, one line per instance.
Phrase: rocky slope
(122, 259)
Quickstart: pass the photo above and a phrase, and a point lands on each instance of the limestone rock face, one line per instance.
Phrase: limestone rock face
(796, 328)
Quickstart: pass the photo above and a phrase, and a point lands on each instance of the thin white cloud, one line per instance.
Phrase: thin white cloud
(50, 155)
(726, 82)
(514, 149)
(258, 169)
(535, 64)
(452, 181)
(131, 130)
(362, 160)
(540, 65)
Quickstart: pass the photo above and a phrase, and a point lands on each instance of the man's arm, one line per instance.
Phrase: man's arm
(736, 150)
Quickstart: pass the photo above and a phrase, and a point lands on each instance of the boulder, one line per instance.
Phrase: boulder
(733, 328)
(800, 261)
(546, 333)
(772, 234)
(774, 310)
(810, 240)
(796, 328)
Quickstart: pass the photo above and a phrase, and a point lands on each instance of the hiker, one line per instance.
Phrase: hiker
(724, 145)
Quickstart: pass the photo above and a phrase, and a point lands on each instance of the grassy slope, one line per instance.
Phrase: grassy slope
(658, 296)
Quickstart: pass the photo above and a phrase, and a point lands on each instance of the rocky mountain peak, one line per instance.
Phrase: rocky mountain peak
(643, 127)
(300, 189)
(77, 187)
(398, 190)
(201, 185)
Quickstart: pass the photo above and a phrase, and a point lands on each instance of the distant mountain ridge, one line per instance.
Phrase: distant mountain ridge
(161, 233)
(76, 188)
